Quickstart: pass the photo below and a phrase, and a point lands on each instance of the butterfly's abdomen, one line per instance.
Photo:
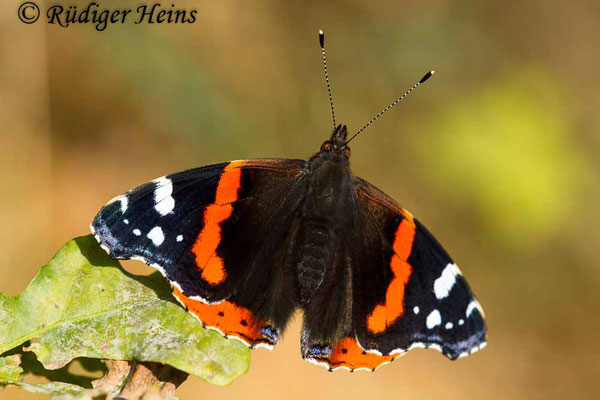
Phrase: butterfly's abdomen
(312, 253)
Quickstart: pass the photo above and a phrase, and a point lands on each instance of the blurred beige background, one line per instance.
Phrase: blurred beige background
(498, 154)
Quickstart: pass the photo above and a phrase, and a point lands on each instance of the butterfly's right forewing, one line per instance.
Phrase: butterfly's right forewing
(426, 302)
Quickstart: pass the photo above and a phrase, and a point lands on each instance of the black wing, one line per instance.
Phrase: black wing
(405, 291)
(410, 293)
(215, 232)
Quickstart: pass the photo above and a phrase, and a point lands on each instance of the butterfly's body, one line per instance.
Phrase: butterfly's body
(322, 220)
(246, 243)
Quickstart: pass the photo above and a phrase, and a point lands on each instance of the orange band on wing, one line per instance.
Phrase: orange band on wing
(229, 319)
(384, 315)
(205, 248)
(349, 354)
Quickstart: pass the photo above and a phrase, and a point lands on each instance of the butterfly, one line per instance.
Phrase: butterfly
(246, 243)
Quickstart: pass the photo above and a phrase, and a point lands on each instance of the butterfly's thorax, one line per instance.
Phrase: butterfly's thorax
(323, 214)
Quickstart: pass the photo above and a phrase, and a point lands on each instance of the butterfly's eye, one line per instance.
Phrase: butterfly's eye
(327, 146)
(347, 152)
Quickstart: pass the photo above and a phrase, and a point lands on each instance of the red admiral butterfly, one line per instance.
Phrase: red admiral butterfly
(245, 243)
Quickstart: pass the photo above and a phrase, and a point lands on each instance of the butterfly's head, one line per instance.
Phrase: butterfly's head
(335, 148)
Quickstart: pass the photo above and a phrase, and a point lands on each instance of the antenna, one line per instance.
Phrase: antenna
(423, 79)
(322, 43)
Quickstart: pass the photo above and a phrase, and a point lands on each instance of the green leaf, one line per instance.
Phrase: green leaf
(84, 304)
(31, 366)
(9, 368)
(10, 374)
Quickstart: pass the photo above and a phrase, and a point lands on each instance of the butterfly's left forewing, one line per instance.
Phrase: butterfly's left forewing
(214, 232)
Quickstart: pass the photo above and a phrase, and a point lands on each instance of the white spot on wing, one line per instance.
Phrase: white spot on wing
(105, 248)
(179, 238)
(474, 304)
(164, 203)
(262, 345)
(124, 204)
(416, 310)
(433, 319)
(137, 232)
(461, 321)
(126, 221)
(443, 284)
(156, 235)
(121, 199)
(449, 325)
(435, 347)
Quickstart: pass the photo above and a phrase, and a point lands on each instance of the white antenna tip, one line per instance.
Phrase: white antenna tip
(427, 76)
(320, 32)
